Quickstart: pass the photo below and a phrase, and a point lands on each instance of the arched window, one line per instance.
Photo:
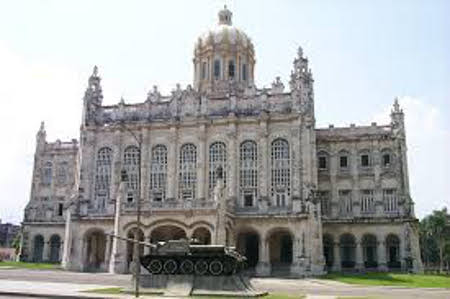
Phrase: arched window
(103, 176)
(217, 158)
(131, 166)
(248, 174)
(281, 172)
(217, 69)
(47, 172)
(231, 69)
(158, 175)
(61, 175)
(187, 171)
(244, 72)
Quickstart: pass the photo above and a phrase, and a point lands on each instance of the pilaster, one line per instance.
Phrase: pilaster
(172, 164)
(201, 163)
(263, 268)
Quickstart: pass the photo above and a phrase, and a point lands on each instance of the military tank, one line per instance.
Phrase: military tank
(184, 257)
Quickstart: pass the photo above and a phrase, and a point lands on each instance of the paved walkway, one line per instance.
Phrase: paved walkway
(52, 282)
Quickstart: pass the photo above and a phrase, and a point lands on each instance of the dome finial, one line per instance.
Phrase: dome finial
(225, 16)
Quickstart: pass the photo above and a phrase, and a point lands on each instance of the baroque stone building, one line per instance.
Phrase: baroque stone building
(294, 198)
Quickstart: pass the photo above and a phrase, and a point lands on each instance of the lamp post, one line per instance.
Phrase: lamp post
(136, 259)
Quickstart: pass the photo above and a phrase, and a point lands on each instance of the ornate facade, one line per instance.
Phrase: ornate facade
(295, 199)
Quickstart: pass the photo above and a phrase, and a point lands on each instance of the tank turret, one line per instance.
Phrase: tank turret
(184, 257)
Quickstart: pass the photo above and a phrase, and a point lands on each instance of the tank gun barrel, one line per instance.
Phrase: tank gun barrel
(133, 241)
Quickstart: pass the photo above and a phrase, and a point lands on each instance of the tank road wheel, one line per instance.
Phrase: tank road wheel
(170, 266)
(201, 267)
(155, 266)
(228, 267)
(187, 267)
(216, 267)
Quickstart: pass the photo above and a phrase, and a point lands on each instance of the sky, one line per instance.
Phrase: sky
(363, 54)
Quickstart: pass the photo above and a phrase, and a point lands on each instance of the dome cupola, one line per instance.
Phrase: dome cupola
(224, 58)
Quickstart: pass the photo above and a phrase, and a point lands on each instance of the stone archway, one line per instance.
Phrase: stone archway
(248, 245)
(55, 248)
(166, 233)
(348, 250)
(393, 251)
(369, 245)
(280, 243)
(38, 248)
(202, 235)
(95, 242)
(328, 250)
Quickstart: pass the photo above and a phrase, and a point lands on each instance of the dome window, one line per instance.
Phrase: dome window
(204, 74)
(217, 69)
(231, 69)
(244, 72)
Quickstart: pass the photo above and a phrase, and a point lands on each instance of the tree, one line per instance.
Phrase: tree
(434, 236)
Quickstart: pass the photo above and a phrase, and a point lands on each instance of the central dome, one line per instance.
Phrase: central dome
(223, 57)
(224, 32)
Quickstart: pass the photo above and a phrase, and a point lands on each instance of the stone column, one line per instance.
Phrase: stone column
(359, 256)
(232, 163)
(381, 254)
(145, 167)
(84, 259)
(46, 251)
(263, 160)
(336, 257)
(116, 166)
(172, 165)
(201, 162)
(117, 261)
(263, 268)
(108, 250)
(296, 164)
(67, 241)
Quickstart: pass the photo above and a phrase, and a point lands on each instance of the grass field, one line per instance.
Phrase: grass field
(393, 279)
(38, 266)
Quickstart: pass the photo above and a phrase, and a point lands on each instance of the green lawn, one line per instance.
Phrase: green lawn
(393, 279)
(39, 266)
(105, 291)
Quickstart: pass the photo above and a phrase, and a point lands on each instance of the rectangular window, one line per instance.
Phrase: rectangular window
(325, 203)
(322, 162)
(231, 69)
(367, 202)
(343, 161)
(345, 202)
(244, 72)
(390, 201)
(157, 196)
(386, 160)
(217, 69)
(60, 209)
(248, 200)
(204, 70)
(365, 160)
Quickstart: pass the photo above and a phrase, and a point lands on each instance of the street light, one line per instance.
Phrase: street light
(136, 258)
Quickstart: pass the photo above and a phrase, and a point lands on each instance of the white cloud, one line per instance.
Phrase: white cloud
(428, 142)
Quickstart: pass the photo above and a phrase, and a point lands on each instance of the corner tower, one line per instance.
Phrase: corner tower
(224, 58)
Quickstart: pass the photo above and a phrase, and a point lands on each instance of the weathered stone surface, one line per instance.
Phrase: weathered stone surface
(294, 198)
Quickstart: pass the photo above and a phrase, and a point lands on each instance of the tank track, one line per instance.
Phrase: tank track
(190, 265)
